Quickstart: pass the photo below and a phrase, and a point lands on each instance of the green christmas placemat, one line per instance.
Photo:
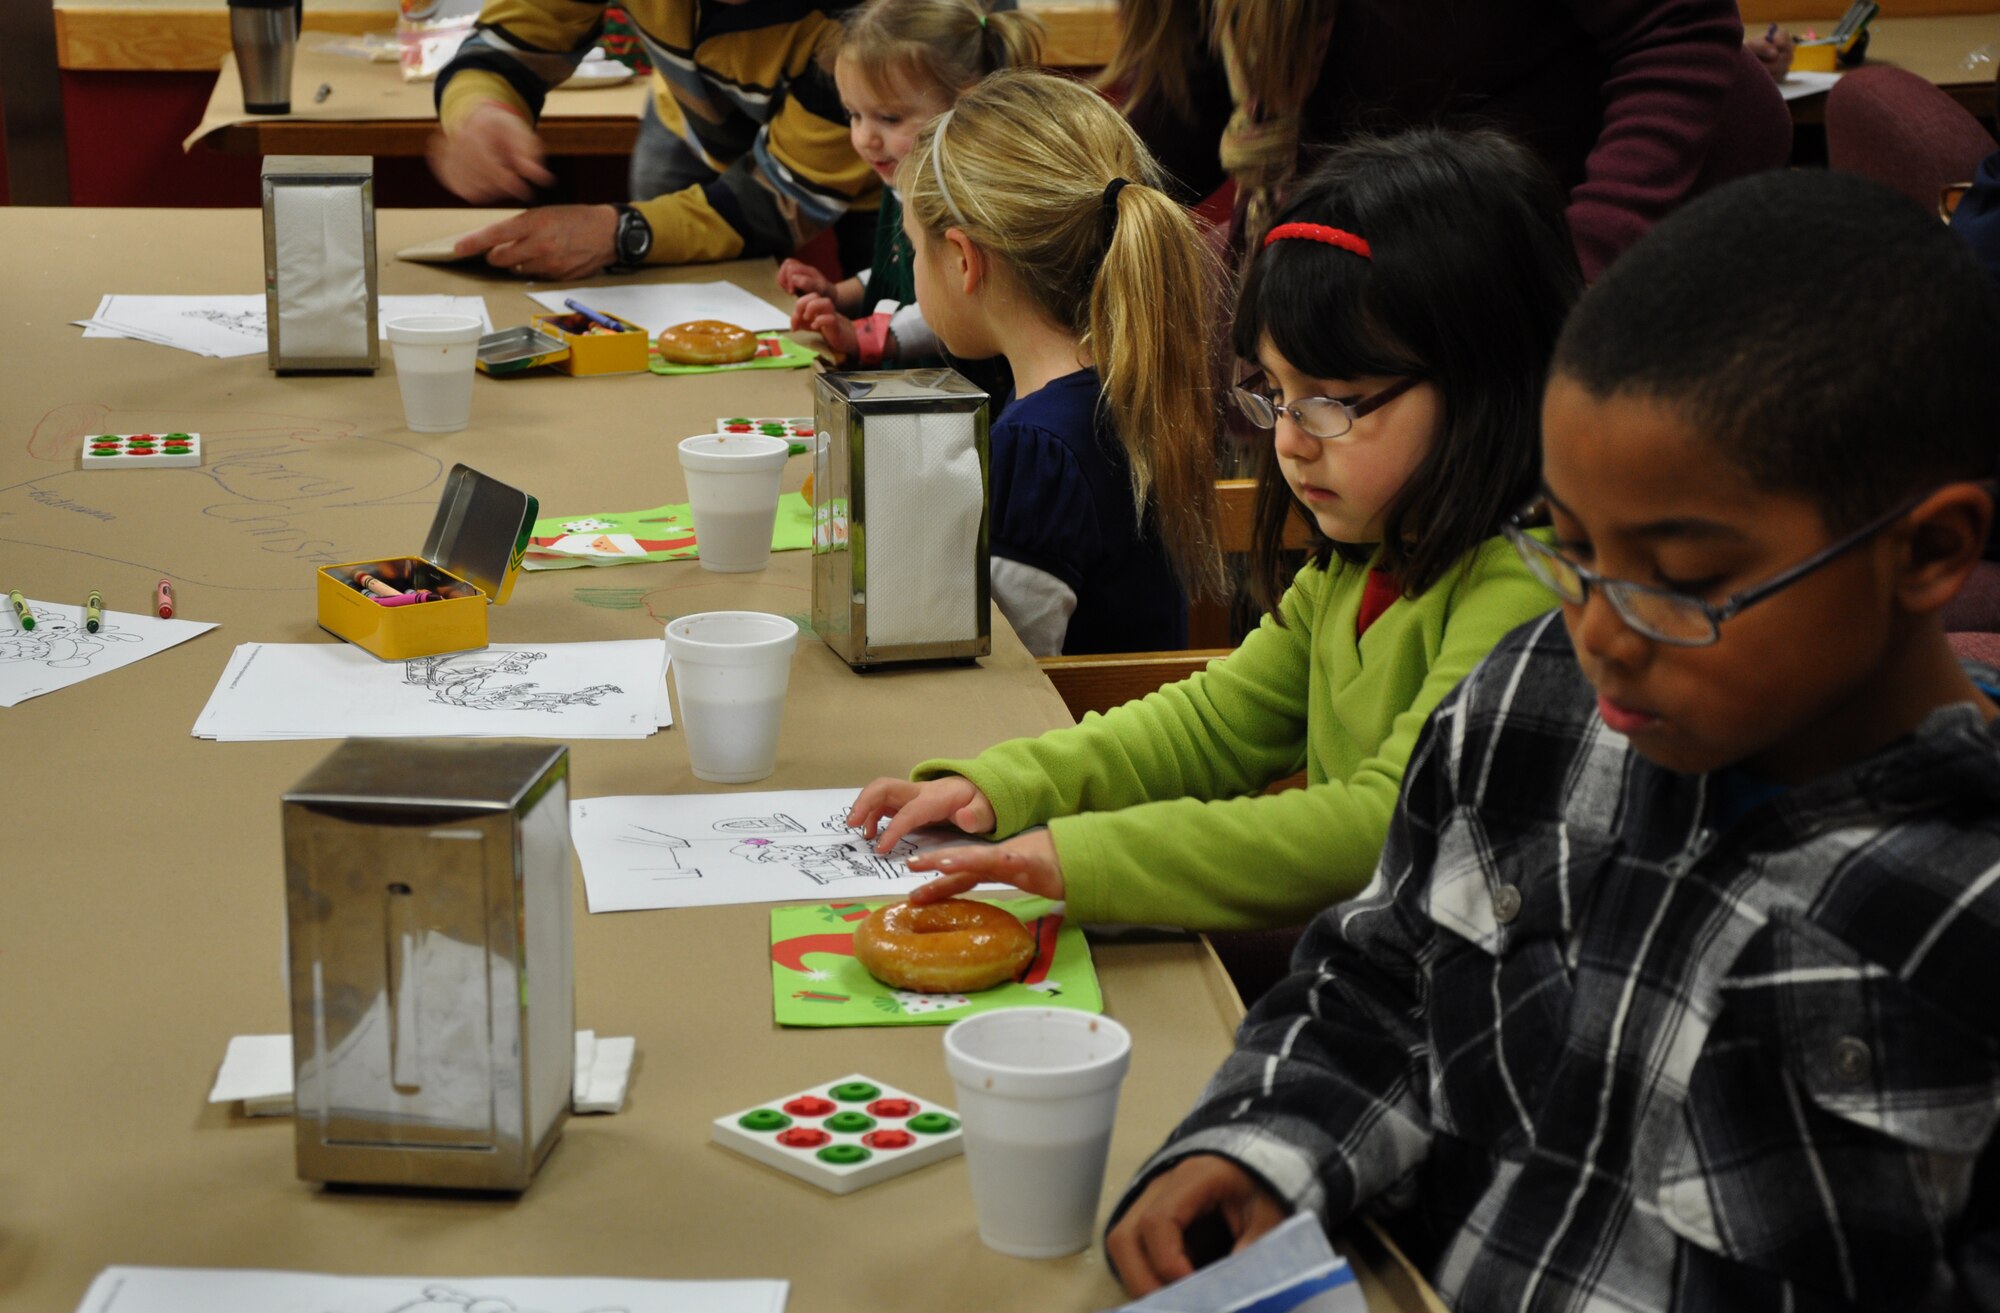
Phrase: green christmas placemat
(663, 533)
(786, 355)
(816, 981)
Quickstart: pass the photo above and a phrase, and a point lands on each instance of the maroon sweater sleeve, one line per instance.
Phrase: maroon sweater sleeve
(1668, 66)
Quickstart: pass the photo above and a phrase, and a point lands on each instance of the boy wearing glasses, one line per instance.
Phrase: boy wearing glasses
(1673, 987)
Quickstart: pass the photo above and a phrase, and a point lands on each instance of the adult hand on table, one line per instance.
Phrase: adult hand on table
(1149, 1246)
(819, 314)
(493, 154)
(559, 242)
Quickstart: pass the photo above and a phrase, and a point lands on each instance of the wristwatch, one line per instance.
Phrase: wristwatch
(634, 237)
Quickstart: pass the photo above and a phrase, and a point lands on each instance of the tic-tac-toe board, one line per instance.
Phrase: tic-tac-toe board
(139, 451)
(843, 1135)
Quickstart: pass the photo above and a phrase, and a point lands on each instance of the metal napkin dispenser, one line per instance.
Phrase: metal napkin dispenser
(900, 474)
(427, 891)
(320, 304)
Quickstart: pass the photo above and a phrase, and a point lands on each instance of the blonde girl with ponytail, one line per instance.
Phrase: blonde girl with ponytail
(1041, 235)
(897, 64)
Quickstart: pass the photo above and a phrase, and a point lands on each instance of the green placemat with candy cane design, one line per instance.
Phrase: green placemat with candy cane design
(816, 981)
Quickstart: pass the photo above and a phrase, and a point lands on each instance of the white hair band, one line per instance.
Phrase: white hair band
(937, 167)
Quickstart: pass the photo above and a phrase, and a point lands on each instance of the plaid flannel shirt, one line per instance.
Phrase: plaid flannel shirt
(1587, 1045)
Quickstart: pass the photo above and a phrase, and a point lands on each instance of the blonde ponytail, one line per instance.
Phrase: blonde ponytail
(1025, 165)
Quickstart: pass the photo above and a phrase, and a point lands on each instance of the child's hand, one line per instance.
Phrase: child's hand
(801, 279)
(1026, 861)
(1149, 1246)
(905, 806)
(819, 314)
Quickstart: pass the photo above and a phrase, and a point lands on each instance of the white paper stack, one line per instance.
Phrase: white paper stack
(614, 690)
(231, 325)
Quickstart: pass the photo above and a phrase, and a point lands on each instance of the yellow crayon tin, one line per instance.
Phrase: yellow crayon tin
(623, 352)
(469, 561)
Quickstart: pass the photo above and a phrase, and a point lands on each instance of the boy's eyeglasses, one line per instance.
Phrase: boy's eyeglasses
(1326, 418)
(1665, 616)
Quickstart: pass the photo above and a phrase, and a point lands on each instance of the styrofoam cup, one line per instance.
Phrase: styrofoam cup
(732, 483)
(1037, 1093)
(435, 355)
(731, 669)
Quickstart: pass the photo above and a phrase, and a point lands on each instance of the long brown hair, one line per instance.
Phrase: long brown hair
(1022, 165)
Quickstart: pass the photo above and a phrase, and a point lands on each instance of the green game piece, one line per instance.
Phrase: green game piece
(764, 1119)
(176, 437)
(850, 1123)
(844, 1155)
(854, 1091)
(932, 1123)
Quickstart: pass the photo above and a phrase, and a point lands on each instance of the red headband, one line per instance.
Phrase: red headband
(1319, 232)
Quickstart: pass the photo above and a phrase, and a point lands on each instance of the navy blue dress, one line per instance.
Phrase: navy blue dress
(1062, 504)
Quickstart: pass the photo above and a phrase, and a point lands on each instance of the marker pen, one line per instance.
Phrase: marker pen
(93, 611)
(21, 611)
(163, 600)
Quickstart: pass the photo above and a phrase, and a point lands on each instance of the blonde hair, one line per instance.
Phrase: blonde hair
(950, 44)
(1023, 166)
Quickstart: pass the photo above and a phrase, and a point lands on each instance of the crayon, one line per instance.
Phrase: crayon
(593, 316)
(376, 586)
(407, 599)
(21, 611)
(93, 611)
(163, 600)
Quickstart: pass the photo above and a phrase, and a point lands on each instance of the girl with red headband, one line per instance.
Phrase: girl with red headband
(1395, 330)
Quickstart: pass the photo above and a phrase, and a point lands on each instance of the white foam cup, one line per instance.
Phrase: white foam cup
(730, 669)
(732, 483)
(1037, 1093)
(435, 355)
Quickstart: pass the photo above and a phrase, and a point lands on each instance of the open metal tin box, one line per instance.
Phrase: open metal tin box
(470, 559)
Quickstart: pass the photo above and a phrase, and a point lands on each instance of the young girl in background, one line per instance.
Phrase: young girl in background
(898, 64)
(1400, 319)
(1040, 235)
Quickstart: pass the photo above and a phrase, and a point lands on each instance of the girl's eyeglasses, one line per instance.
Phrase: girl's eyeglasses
(1326, 418)
(1665, 616)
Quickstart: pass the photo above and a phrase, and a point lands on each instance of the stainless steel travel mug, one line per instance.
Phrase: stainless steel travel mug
(265, 33)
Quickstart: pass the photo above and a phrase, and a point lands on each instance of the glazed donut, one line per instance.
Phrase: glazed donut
(954, 947)
(707, 342)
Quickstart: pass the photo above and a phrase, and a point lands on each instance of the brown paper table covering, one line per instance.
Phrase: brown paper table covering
(141, 907)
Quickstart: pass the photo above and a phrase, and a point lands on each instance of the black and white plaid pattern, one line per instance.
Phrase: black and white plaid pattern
(1588, 1048)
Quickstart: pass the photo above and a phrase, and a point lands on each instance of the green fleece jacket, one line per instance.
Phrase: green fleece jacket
(1156, 809)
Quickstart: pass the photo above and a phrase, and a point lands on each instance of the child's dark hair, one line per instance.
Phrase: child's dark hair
(1823, 333)
(1471, 276)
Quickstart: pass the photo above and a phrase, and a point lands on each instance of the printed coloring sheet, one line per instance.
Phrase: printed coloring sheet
(217, 1290)
(60, 650)
(706, 849)
(614, 690)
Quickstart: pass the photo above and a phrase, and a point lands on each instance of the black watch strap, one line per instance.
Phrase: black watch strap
(634, 235)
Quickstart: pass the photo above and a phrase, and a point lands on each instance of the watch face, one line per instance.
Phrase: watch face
(635, 237)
